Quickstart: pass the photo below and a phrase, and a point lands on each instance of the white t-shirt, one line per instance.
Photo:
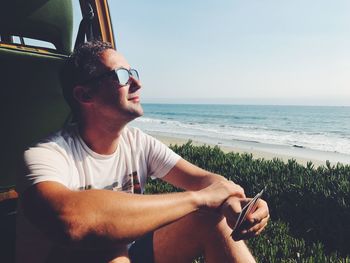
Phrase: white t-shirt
(65, 158)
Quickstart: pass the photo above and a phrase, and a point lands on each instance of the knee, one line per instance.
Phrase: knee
(120, 259)
(115, 255)
(207, 220)
(119, 255)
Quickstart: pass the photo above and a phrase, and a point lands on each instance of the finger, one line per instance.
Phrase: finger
(248, 226)
(232, 205)
(262, 211)
(245, 231)
(258, 226)
(262, 229)
(255, 221)
(242, 235)
(231, 210)
(237, 235)
(254, 234)
(247, 235)
(239, 191)
(245, 201)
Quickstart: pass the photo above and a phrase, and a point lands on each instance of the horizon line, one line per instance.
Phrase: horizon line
(265, 102)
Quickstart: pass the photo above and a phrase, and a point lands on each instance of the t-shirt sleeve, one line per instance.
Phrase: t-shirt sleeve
(160, 158)
(42, 163)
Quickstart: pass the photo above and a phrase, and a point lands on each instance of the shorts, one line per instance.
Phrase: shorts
(141, 251)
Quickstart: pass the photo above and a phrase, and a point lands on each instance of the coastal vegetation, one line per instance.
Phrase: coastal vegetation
(309, 206)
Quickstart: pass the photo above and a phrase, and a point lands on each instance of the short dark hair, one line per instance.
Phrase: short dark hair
(81, 66)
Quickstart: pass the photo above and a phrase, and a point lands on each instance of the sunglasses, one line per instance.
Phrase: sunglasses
(122, 75)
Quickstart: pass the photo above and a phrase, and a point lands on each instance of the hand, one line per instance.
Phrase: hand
(214, 195)
(255, 222)
(231, 209)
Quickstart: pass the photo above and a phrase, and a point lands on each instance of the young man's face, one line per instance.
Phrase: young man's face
(112, 99)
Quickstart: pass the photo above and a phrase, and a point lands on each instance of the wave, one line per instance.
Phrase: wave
(227, 133)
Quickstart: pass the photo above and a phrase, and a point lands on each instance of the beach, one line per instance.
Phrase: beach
(267, 152)
(302, 133)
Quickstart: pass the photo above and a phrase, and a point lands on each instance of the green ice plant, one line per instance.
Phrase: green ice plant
(309, 206)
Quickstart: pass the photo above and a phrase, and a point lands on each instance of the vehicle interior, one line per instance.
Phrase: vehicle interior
(36, 37)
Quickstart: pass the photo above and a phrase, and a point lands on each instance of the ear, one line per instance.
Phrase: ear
(82, 94)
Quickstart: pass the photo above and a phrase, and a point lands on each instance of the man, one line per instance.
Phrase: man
(78, 200)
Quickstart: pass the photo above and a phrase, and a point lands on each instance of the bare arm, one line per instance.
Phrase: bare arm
(190, 177)
(102, 218)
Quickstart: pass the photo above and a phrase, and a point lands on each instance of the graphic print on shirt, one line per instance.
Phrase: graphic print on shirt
(86, 187)
(114, 187)
(136, 181)
(130, 184)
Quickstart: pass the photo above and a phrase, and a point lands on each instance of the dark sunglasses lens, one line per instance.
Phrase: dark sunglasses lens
(123, 76)
(134, 74)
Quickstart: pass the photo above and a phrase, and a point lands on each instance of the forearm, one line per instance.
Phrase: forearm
(105, 218)
(121, 218)
(211, 178)
(204, 180)
(190, 177)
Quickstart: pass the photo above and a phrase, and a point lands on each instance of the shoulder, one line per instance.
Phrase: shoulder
(47, 160)
(59, 142)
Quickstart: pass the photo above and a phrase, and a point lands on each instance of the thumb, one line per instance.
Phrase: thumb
(231, 209)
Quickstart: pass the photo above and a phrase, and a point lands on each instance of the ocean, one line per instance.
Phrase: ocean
(320, 128)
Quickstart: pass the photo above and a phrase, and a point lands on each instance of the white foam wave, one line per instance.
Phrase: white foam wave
(228, 133)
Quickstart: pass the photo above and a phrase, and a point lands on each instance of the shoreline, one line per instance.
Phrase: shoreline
(259, 150)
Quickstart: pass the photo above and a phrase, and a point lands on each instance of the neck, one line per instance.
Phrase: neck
(102, 139)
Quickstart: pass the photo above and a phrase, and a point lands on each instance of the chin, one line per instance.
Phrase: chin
(135, 111)
(139, 114)
(139, 109)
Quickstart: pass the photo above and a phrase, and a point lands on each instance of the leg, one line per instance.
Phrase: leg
(117, 255)
(195, 234)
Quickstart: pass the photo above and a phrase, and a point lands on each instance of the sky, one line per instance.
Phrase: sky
(244, 52)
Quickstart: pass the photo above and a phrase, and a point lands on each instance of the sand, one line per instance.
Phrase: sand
(267, 152)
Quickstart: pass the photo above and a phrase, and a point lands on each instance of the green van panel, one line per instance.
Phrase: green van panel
(32, 105)
(47, 20)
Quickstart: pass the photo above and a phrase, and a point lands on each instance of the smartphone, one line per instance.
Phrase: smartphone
(247, 209)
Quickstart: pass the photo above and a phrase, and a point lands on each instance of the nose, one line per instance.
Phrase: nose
(134, 85)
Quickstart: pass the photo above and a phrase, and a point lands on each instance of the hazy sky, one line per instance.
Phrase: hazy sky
(252, 51)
